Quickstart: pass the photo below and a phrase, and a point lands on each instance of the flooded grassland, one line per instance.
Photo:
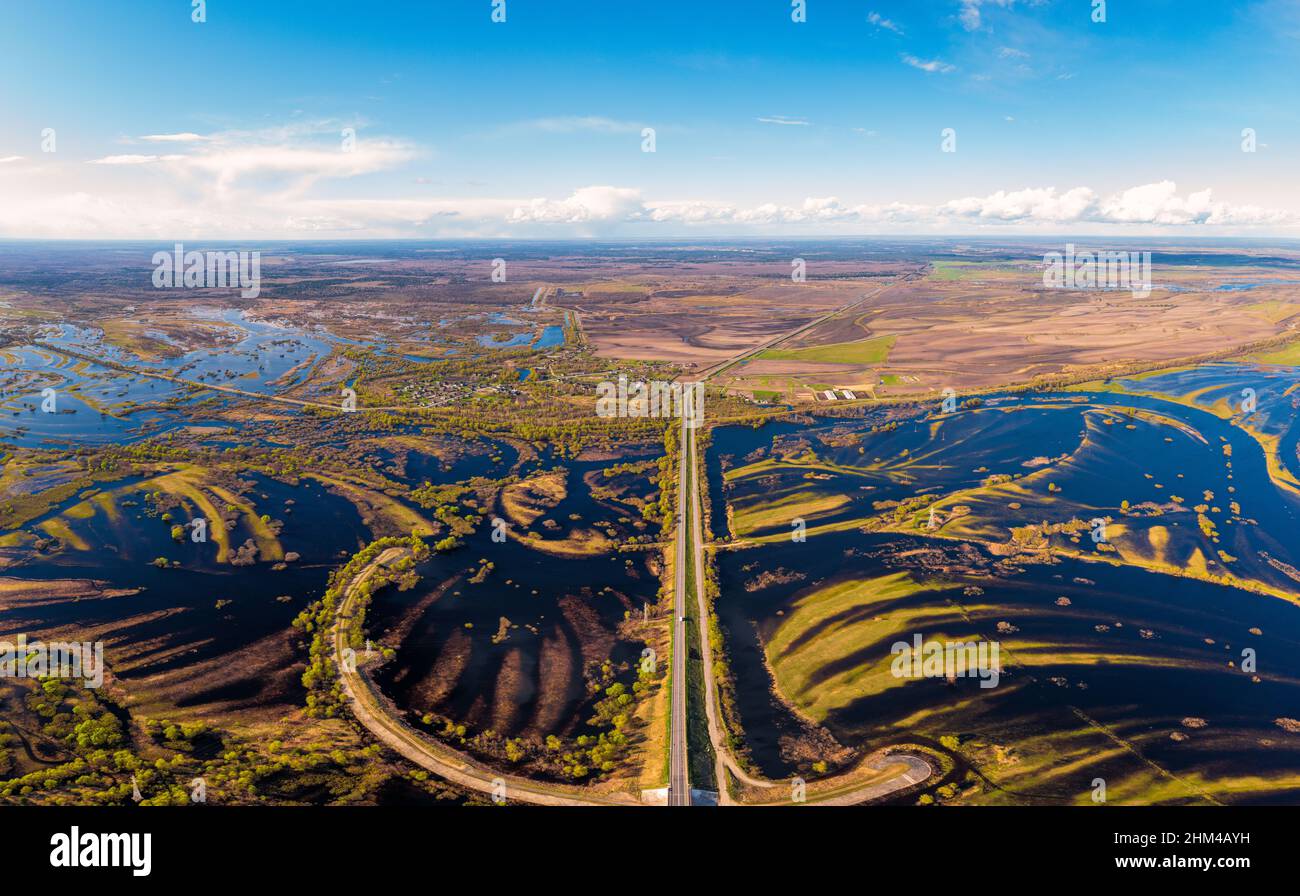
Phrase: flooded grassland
(1128, 545)
(237, 424)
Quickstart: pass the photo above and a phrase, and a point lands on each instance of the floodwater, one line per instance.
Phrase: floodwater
(174, 621)
(1097, 450)
(562, 615)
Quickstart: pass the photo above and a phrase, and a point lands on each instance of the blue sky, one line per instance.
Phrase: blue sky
(532, 127)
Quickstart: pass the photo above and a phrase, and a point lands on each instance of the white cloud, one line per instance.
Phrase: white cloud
(781, 119)
(880, 21)
(1038, 205)
(1159, 203)
(4, 160)
(931, 65)
(134, 159)
(969, 14)
(1156, 204)
(691, 211)
(584, 206)
(230, 163)
(184, 137)
(294, 182)
(1011, 53)
(569, 124)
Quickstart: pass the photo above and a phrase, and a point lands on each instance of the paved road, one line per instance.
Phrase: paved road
(914, 769)
(381, 718)
(911, 769)
(679, 783)
(723, 759)
(371, 710)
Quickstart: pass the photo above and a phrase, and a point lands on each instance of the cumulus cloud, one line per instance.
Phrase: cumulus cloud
(929, 65)
(690, 211)
(1158, 203)
(588, 205)
(277, 184)
(1044, 204)
(1155, 204)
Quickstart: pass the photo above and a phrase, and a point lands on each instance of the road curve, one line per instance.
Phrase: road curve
(918, 770)
(378, 716)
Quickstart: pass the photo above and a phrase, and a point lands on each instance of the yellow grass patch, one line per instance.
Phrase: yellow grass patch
(822, 629)
(763, 514)
(525, 502)
(57, 528)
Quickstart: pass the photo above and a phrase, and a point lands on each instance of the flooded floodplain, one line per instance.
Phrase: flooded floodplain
(1132, 553)
(234, 425)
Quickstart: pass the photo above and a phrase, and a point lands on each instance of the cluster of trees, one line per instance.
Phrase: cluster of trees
(105, 770)
(661, 510)
(324, 694)
(444, 501)
(723, 676)
(581, 758)
(78, 720)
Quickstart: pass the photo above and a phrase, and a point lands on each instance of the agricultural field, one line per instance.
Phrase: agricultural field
(975, 325)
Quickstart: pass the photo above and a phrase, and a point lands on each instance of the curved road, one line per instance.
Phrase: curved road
(372, 711)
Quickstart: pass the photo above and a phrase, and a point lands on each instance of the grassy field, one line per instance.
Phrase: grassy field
(949, 270)
(1288, 356)
(764, 514)
(1274, 311)
(865, 351)
(836, 616)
